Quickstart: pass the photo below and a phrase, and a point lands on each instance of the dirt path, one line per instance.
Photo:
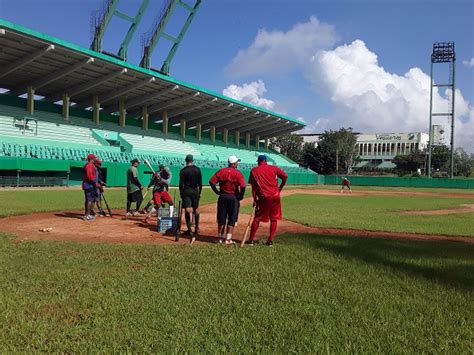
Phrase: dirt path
(68, 226)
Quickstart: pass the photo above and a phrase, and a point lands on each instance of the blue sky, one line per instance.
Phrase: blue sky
(285, 70)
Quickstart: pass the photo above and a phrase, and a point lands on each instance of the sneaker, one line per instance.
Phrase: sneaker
(250, 243)
(148, 220)
(188, 233)
(88, 218)
(129, 214)
(269, 243)
(220, 241)
(136, 213)
(229, 242)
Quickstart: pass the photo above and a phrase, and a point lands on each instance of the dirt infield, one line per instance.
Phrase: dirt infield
(68, 226)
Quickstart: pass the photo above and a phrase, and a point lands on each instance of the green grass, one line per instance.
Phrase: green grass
(379, 213)
(308, 294)
(14, 202)
(390, 188)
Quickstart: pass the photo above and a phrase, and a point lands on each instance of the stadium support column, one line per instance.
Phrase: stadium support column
(213, 134)
(198, 131)
(182, 126)
(257, 141)
(95, 109)
(267, 143)
(145, 117)
(123, 113)
(225, 136)
(237, 138)
(247, 140)
(30, 103)
(165, 123)
(66, 103)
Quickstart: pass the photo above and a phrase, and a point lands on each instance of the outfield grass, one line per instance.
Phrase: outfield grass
(389, 188)
(308, 294)
(14, 202)
(380, 213)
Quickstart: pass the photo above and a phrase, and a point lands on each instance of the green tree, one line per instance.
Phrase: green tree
(462, 163)
(334, 152)
(290, 145)
(440, 157)
(409, 164)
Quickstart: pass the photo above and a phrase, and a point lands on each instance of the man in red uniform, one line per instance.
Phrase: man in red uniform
(89, 185)
(266, 196)
(231, 191)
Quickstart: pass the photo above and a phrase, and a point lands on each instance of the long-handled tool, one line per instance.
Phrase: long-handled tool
(107, 205)
(252, 215)
(178, 224)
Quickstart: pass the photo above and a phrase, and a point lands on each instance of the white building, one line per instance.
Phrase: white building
(378, 149)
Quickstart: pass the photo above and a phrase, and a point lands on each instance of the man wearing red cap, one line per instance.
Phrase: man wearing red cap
(231, 191)
(266, 196)
(89, 185)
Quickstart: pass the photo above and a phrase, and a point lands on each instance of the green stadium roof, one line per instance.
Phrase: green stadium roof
(53, 67)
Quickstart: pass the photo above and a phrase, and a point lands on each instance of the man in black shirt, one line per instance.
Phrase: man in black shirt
(190, 187)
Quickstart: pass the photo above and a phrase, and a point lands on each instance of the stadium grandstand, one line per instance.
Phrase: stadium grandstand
(60, 102)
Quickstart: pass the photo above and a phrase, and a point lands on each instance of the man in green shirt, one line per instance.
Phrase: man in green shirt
(134, 188)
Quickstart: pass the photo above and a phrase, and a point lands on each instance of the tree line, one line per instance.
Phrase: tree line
(336, 153)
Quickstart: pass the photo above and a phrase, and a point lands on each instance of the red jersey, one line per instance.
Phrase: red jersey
(346, 182)
(264, 179)
(90, 176)
(229, 179)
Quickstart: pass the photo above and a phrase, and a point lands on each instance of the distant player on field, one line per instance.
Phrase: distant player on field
(346, 183)
(190, 188)
(231, 191)
(89, 185)
(266, 196)
(134, 188)
(160, 182)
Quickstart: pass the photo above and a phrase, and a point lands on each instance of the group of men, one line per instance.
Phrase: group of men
(228, 183)
(93, 186)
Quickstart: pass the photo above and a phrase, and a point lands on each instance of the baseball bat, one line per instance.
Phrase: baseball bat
(252, 215)
(149, 165)
(107, 205)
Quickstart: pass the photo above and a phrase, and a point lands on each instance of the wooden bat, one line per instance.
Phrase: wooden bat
(252, 215)
(107, 205)
(180, 216)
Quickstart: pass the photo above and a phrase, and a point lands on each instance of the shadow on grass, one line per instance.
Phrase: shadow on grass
(451, 264)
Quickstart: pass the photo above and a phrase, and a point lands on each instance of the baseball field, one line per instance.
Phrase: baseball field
(377, 270)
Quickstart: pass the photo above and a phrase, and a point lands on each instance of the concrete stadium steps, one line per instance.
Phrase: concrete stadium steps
(46, 131)
(154, 144)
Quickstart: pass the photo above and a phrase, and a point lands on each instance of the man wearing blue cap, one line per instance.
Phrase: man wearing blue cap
(266, 196)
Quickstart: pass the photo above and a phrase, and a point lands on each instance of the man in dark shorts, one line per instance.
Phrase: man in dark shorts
(231, 191)
(266, 196)
(190, 187)
(89, 185)
(134, 189)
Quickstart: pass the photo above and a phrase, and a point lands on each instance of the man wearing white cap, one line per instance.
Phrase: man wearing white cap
(231, 191)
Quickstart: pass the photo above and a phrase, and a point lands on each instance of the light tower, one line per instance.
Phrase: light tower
(443, 52)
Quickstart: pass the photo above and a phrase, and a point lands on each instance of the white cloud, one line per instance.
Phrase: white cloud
(469, 63)
(371, 99)
(251, 93)
(364, 95)
(276, 51)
